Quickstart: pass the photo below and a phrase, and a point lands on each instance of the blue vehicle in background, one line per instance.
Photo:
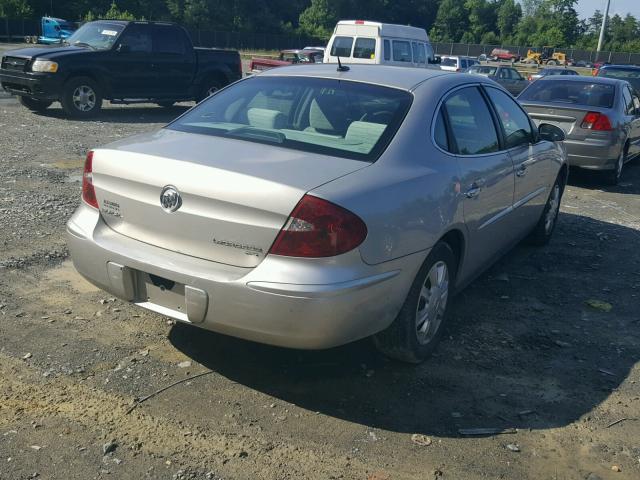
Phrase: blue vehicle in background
(54, 30)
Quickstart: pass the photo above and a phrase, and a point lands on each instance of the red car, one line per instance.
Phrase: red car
(504, 54)
(286, 57)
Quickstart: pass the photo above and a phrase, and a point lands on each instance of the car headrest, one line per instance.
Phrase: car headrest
(264, 118)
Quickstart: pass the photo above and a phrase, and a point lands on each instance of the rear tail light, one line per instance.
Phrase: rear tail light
(88, 192)
(596, 121)
(530, 78)
(318, 228)
(359, 22)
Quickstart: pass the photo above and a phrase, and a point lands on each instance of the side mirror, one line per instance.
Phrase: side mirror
(551, 133)
(123, 48)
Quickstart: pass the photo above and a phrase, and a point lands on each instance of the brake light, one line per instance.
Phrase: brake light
(318, 228)
(88, 192)
(596, 121)
(530, 78)
(359, 22)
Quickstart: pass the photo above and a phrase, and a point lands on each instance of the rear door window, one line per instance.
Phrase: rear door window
(169, 40)
(341, 47)
(629, 107)
(418, 53)
(515, 123)
(471, 123)
(401, 51)
(365, 48)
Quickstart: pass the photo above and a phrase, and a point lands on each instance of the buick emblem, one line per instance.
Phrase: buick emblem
(170, 199)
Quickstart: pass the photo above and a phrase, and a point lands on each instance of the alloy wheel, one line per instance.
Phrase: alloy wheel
(84, 98)
(552, 212)
(432, 302)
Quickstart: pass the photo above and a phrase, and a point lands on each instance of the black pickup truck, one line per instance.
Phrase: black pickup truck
(124, 62)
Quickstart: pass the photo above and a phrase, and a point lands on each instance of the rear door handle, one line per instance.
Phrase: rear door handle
(474, 190)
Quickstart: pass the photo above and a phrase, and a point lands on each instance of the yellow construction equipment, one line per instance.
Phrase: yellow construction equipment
(546, 55)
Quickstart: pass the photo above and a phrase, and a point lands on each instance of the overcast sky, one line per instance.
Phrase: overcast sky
(586, 8)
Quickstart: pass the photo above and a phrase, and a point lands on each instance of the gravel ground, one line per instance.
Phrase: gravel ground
(529, 350)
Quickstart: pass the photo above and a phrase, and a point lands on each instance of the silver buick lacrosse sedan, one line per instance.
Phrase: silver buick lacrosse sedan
(308, 207)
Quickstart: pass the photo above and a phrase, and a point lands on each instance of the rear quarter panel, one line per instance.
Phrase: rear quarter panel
(410, 197)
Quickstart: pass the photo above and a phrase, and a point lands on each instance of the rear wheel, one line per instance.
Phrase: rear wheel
(208, 88)
(34, 105)
(612, 177)
(415, 332)
(81, 98)
(543, 230)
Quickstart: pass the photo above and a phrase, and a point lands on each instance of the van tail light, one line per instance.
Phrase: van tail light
(596, 121)
(88, 192)
(359, 22)
(318, 228)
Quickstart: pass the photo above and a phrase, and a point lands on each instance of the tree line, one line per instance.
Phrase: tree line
(490, 22)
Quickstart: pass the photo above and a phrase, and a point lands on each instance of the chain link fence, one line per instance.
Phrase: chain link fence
(14, 30)
(474, 50)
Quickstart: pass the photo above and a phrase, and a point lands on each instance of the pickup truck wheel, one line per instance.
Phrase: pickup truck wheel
(81, 98)
(209, 87)
(34, 105)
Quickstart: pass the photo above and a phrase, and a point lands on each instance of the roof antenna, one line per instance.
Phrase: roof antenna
(341, 68)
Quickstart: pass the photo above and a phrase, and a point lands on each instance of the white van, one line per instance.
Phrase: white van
(359, 41)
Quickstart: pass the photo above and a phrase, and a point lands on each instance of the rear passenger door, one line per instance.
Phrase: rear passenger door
(131, 65)
(486, 172)
(632, 116)
(534, 174)
(174, 62)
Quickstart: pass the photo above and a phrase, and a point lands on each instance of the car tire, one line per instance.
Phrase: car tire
(33, 104)
(612, 177)
(542, 232)
(208, 88)
(81, 98)
(413, 336)
(552, 62)
(166, 104)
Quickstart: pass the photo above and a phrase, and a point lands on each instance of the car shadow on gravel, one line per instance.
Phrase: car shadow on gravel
(629, 182)
(529, 345)
(124, 114)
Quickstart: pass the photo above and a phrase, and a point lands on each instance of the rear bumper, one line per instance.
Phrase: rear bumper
(310, 304)
(41, 86)
(592, 154)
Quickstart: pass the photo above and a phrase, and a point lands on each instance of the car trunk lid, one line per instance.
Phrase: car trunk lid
(235, 195)
(568, 118)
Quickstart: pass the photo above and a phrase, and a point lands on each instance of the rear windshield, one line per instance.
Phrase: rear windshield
(631, 76)
(483, 70)
(449, 62)
(333, 117)
(570, 92)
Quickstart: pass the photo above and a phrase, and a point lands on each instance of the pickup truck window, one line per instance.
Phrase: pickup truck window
(169, 40)
(96, 35)
(137, 39)
(333, 117)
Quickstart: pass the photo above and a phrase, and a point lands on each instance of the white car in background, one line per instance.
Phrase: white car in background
(456, 63)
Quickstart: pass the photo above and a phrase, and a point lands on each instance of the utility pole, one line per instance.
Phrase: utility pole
(604, 27)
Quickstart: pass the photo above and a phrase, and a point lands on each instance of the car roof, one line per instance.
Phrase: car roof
(584, 79)
(619, 67)
(404, 78)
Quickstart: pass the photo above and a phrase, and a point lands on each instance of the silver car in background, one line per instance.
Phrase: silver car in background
(600, 117)
(311, 207)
